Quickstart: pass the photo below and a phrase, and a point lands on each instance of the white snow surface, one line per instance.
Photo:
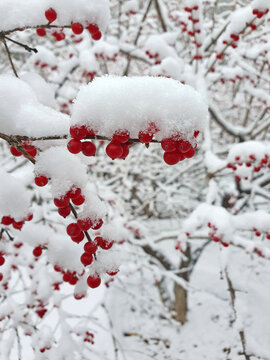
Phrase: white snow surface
(23, 114)
(113, 103)
(31, 13)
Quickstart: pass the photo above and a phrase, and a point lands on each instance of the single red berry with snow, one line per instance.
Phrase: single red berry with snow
(88, 148)
(184, 146)
(62, 202)
(41, 32)
(168, 144)
(145, 137)
(78, 200)
(73, 193)
(114, 150)
(37, 251)
(73, 229)
(30, 149)
(190, 153)
(7, 220)
(64, 211)
(78, 132)
(171, 158)
(121, 136)
(85, 224)
(51, 15)
(97, 224)
(93, 281)
(2, 260)
(90, 247)
(104, 243)
(18, 224)
(15, 152)
(77, 28)
(79, 238)
(97, 36)
(93, 28)
(41, 180)
(86, 259)
(74, 146)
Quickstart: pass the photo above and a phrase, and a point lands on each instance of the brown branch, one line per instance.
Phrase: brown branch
(26, 47)
(9, 56)
(160, 16)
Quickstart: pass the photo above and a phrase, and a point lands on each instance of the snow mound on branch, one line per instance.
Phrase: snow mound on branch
(113, 103)
(14, 199)
(22, 113)
(64, 170)
(30, 13)
(247, 149)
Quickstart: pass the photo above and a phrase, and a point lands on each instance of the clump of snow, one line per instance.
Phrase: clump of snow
(23, 114)
(113, 103)
(64, 169)
(30, 13)
(93, 208)
(246, 150)
(14, 199)
(88, 62)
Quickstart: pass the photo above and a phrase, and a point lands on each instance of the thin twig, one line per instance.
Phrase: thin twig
(9, 57)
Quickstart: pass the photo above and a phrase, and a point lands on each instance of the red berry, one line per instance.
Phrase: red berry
(78, 200)
(79, 296)
(121, 136)
(184, 146)
(7, 220)
(88, 148)
(190, 153)
(85, 224)
(15, 152)
(62, 202)
(41, 32)
(168, 144)
(78, 132)
(171, 158)
(91, 132)
(97, 224)
(112, 273)
(73, 229)
(235, 37)
(37, 251)
(125, 151)
(30, 149)
(86, 259)
(73, 280)
(90, 247)
(97, 35)
(41, 180)
(64, 211)
(145, 137)
(67, 276)
(79, 238)
(1, 276)
(114, 150)
(268, 236)
(73, 193)
(92, 28)
(93, 281)
(104, 243)
(18, 224)
(51, 15)
(2, 260)
(74, 146)
(77, 28)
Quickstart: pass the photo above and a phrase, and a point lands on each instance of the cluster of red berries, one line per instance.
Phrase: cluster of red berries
(258, 233)
(76, 27)
(90, 74)
(195, 29)
(259, 14)
(45, 65)
(89, 337)
(176, 149)
(153, 56)
(27, 146)
(8, 220)
(75, 145)
(256, 164)
(100, 55)
(213, 235)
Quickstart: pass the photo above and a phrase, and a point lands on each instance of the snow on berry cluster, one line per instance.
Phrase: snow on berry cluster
(246, 157)
(226, 229)
(68, 180)
(15, 209)
(143, 108)
(79, 14)
(29, 117)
